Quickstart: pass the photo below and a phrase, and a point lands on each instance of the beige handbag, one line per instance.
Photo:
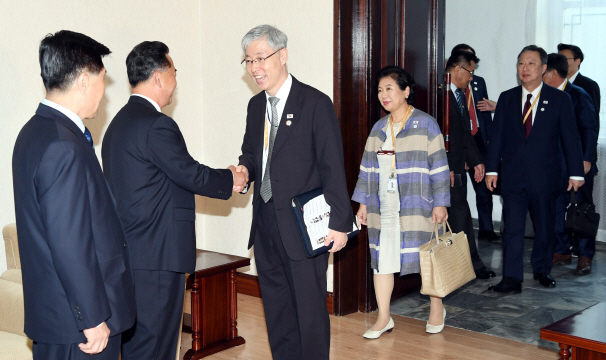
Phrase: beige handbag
(445, 263)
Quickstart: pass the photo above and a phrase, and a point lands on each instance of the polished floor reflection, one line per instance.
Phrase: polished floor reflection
(516, 317)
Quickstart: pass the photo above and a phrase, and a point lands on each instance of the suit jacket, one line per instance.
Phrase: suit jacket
(586, 123)
(306, 155)
(534, 163)
(75, 263)
(593, 89)
(154, 180)
(478, 88)
(463, 148)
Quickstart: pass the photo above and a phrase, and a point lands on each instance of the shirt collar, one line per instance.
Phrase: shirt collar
(155, 104)
(65, 111)
(534, 93)
(282, 94)
(561, 87)
(573, 77)
(454, 88)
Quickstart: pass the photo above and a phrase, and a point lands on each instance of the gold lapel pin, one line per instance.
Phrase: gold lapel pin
(288, 123)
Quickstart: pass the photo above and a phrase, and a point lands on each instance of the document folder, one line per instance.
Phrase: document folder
(312, 215)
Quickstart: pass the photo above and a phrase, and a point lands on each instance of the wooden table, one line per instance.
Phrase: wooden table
(581, 335)
(213, 304)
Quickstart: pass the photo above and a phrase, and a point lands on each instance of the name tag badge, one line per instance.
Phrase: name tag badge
(392, 186)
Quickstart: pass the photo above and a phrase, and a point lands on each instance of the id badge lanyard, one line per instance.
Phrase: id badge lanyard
(393, 181)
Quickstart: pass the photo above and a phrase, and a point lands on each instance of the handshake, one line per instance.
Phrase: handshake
(240, 177)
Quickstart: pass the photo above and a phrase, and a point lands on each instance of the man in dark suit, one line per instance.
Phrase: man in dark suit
(463, 152)
(154, 180)
(555, 76)
(531, 123)
(303, 152)
(575, 57)
(77, 278)
(480, 115)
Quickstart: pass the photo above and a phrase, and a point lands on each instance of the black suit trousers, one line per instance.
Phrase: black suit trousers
(516, 203)
(459, 218)
(564, 239)
(294, 295)
(159, 296)
(72, 351)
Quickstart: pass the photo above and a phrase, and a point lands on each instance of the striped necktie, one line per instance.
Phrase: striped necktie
(460, 101)
(265, 192)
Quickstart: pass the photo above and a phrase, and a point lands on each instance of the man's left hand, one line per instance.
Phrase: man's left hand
(339, 240)
(586, 166)
(478, 172)
(576, 184)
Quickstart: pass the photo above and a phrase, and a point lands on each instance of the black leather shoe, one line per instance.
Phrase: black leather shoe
(484, 273)
(488, 235)
(545, 279)
(507, 285)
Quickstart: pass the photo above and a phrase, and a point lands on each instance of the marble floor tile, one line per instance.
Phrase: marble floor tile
(518, 317)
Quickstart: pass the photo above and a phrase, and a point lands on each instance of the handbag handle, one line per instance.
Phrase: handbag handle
(573, 196)
(435, 229)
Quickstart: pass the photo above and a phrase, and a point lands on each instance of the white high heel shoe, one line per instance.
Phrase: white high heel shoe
(434, 329)
(374, 334)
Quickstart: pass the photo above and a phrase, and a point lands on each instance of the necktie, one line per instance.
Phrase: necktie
(266, 182)
(528, 123)
(88, 137)
(460, 101)
(472, 112)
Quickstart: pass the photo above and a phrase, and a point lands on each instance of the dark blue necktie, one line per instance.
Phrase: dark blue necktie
(88, 137)
(460, 97)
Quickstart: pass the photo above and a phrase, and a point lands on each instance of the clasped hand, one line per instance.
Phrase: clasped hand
(240, 177)
(97, 338)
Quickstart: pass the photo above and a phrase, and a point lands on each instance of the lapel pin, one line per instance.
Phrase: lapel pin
(542, 109)
(475, 88)
(289, 116)
(475, 82)
(288, 123)
(415, 122)
(414, 126)
(545, 102)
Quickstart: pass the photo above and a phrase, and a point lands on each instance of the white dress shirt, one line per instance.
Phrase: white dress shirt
(65, 111)
(282, 94)
(155, 104)
(561, 87)
(573, 77)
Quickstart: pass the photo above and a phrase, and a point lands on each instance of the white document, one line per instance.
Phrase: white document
(316, 215)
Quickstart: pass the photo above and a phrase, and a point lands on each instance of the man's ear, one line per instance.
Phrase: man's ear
(157, 79)
(283, 56)
(83, 82)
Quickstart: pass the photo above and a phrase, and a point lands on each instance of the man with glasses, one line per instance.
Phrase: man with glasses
(292, 145)
(463, 152)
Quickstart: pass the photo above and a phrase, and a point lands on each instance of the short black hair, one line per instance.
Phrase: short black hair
(66, 54)
(559, 63)
(542, 53)
(144, 59)
(402, 78)
(463, 47)
(461, 57)
(576, 51)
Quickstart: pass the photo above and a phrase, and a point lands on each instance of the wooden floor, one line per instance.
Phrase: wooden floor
(407, 341)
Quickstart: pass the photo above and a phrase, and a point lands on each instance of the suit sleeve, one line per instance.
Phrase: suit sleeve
(495, 144)
(588, 126)
(570, 138)
(248, 157)
(168, 151)
(329, 157)
(61, 185)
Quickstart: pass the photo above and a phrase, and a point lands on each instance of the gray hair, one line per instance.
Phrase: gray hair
(275, 38)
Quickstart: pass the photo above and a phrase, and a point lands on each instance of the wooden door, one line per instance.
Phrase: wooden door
(370, 34)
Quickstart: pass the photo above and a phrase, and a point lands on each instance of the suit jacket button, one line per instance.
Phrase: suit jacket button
(77, 308)
(124, 244)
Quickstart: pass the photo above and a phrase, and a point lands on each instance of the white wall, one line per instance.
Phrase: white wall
(497, 30)
(212, 93)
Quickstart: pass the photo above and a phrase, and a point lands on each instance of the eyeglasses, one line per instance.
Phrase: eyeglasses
(247, 63)
(470, 72)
